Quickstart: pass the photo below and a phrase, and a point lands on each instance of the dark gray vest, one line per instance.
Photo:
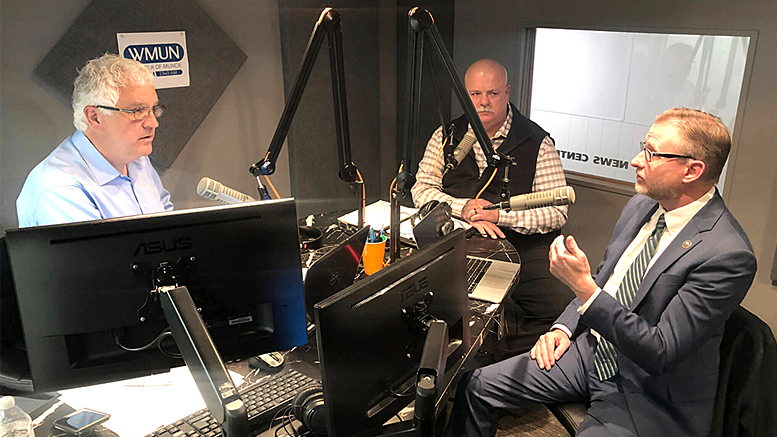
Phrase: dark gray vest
(523, 145)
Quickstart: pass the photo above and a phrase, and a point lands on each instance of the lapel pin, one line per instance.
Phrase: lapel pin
(686, 244)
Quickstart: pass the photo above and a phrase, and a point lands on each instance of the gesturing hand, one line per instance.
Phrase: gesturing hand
(549, 348)
(570, 265)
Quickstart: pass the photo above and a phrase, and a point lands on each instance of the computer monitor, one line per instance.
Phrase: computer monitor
(14, 370)
(370, 335)
(85, 300)
(335, 270)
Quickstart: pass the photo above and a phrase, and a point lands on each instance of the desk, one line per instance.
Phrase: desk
(481, 320)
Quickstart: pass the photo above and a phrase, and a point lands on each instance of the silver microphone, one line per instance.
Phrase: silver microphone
(555, 197)
(465, 145)
(214, 190)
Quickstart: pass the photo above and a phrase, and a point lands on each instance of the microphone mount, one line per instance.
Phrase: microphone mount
(328, 24)
(421, 26)
(504, 192)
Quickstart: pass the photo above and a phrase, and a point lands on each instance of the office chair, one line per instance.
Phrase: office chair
(746, 400)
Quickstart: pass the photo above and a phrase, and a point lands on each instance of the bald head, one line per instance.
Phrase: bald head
(486, 82)
(487, 67)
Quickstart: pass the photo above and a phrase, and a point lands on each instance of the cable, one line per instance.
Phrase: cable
(282, 412)
(391, 186)
(272, 187)
(154, 342)
(437, 159)
(162, 349)
(364, 192)
(477, 204)
(289, 417)
(408, 392)
(488, 254)
(288, 352)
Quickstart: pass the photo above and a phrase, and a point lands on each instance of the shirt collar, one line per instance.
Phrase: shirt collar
(505, 129)
(102, 170)
(676, 219)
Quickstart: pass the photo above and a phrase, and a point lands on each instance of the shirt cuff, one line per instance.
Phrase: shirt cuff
(581, 309)
(504, 219)
(456, 205)
(563, 328)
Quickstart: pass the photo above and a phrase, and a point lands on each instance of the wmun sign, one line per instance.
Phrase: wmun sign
(164, 53)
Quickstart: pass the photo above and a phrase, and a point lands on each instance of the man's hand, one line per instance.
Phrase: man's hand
(482, 220)
(570, 265)
(549, 348)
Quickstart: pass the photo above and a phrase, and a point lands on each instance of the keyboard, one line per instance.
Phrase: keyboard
(476, 269)
(263, 400)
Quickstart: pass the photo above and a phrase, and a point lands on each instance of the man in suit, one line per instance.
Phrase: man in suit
(640, 342)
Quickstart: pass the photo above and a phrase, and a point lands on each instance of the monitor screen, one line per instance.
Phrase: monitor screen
(85, 300)
(370, 335)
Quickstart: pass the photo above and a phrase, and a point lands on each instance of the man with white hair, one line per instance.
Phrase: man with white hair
(102, 170)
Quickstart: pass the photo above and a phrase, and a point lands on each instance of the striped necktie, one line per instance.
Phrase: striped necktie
(605, 355)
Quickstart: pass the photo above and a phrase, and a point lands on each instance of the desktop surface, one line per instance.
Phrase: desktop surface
(304, 358)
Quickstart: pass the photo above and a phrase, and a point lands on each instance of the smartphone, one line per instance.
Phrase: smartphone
(81, 422)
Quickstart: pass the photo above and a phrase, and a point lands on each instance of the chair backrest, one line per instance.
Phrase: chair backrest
(746, 401)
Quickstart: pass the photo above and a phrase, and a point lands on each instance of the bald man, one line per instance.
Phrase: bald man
(539, 297)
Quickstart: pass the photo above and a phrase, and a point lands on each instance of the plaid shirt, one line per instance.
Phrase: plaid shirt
(548, 175)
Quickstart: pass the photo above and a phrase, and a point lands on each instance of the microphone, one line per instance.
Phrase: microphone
(214, 190)
(465, 145)
(555, 197)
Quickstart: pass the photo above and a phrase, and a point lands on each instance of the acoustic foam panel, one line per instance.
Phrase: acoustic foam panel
(214, 59)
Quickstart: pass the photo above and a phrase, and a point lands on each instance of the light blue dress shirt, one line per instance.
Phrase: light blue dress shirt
(76, 183)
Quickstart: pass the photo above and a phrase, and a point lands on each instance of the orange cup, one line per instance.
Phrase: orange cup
(373, 255)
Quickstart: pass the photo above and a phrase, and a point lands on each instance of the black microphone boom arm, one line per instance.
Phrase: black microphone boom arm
(328, 24)
(420, 24)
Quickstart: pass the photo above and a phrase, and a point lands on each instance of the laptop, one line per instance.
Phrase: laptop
(334, 271)
(487, 279)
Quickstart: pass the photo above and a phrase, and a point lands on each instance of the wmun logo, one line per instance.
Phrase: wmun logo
(154, 53)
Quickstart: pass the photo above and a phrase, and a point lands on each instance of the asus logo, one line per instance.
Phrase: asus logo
(160, 246)
(415, 288)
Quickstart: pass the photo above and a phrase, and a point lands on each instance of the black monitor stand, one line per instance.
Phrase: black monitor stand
(204, 362)
(428, 385)
(223, 399)
(195, 344)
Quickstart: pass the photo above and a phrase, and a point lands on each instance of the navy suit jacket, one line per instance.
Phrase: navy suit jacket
(668, 342)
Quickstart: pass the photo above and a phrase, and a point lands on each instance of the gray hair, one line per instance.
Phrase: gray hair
(704, 136)
(100, 83)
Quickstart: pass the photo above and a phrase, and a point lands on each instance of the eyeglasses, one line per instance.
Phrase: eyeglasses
(138, 113)
(649, 154)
